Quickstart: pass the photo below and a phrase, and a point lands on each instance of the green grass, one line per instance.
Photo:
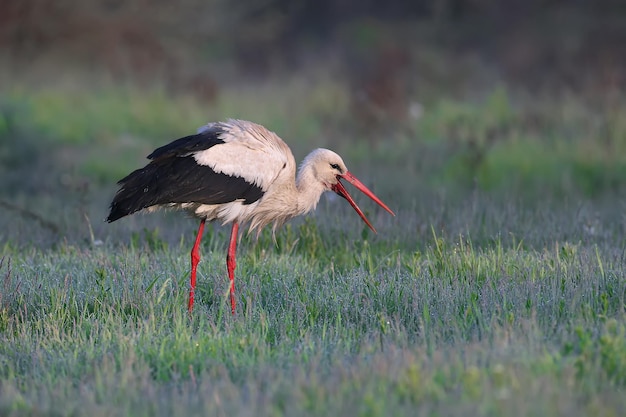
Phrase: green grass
(325, 324)
(499, 289)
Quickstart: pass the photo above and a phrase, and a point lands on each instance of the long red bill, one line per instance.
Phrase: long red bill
(341, 190)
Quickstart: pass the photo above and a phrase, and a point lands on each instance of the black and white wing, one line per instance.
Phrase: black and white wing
(222, 163)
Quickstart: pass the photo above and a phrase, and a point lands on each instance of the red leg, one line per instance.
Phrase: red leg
(231, 263)
(195, 258)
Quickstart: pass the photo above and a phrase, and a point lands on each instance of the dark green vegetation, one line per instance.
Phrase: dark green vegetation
(499, 289)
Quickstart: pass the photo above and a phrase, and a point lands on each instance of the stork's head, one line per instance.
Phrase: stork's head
(329, 169)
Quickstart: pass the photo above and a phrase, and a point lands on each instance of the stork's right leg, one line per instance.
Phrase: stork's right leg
(231, 264)
(195, 258)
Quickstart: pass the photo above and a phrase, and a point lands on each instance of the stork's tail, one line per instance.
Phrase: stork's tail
(134, 194)
(117, 212)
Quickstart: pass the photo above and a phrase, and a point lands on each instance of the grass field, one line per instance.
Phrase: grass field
(499, 289)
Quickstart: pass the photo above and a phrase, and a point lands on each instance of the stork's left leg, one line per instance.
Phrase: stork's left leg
(231, 263)
(195, 258)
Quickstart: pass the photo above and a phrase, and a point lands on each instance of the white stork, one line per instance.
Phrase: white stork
(236, 172)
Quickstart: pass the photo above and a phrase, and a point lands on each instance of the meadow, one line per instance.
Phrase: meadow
(499, 288)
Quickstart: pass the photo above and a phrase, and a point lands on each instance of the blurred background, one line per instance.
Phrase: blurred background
(427, 100)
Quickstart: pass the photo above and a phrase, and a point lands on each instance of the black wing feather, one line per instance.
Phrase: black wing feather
(174, 176)
(189, 144)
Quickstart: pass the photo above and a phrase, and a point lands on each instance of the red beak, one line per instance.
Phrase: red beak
(341, 190)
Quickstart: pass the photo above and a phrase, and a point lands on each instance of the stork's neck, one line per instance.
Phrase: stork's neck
(309, 188)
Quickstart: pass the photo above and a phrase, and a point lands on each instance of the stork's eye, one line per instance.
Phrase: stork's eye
(335, 166)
